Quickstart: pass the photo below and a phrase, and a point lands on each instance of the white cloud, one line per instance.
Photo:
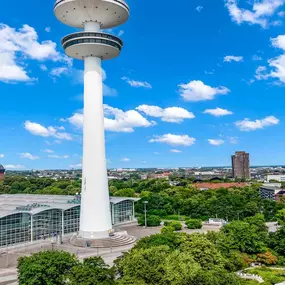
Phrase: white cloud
(259, 14)
(75, 166)
(121, 121)
(216, 142)
(125, 159)
(281, 13)
(155, 152)
(183, 140)
(175, 150)
(256, 57)
(196, 91)
(233, 140)
(58, 71)
(135, 83)
(218, 112)
(39, 130)
(16, 45)
(48, 151)
(2, 155)
(116, 120)
(48, 29)
(58, 156)
(230, 58)
(246, 125)
(279, 42)
(276, 65)
(171, 114)
(43, 67)
(11, 166)
(199, 8)
(28, 156)
(120, 33)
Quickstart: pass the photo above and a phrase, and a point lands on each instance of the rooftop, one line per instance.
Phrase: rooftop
(33, 204)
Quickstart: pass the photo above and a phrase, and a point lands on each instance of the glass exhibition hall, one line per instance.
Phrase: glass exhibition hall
(27, 218)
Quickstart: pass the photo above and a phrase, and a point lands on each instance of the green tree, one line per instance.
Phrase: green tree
(126, 192)
(45, 268)
(194, 224)
(280, 216)
(152, 221)
(93, 271)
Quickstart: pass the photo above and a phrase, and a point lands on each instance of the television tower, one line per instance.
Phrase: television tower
(92, 45)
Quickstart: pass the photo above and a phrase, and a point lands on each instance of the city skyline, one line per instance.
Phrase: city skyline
(194, 107)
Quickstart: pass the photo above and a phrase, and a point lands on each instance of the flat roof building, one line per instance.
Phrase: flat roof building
(27, 218)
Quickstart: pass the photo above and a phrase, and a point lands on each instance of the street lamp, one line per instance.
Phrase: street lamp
(145, 221)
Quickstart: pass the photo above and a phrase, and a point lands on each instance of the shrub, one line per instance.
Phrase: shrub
(175, 217)
(152, 221)
(167, 230)
(174, 224)
(194, 224)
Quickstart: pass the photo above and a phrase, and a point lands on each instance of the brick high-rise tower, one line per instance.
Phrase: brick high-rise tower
(240, 165)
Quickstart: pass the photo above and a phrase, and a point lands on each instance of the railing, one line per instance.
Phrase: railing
(90, 40)
(90, 34)
(122, 2)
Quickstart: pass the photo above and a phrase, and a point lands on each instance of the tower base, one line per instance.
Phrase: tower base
(116, 240)
(94, 235)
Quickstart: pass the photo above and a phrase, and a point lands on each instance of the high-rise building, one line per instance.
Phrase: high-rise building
(240, 165)
(2, 172)
(92, 46)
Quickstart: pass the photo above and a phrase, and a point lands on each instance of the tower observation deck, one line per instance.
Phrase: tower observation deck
(92, 46)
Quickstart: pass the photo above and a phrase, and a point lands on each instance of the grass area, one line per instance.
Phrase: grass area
(269, 275)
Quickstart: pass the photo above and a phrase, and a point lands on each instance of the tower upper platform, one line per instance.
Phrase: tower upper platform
(108, 13)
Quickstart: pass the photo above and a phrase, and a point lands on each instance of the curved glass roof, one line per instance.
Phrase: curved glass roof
(34, 204)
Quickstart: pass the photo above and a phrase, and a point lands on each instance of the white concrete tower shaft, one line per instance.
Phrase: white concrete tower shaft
(95, 219)
(93, 45)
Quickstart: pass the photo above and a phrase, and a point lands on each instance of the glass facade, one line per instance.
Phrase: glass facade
(122, 212)
(26, 227)
(71, 220)
(47, 224)
(15, 228)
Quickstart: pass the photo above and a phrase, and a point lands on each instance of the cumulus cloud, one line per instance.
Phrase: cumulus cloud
(116, 120)
(260, 12)
(23, 43)
(246, 125)
(183, 140)
(28, 156)
(75, 166)
(125, 159)
(175, 150)
(2, 155)
(276, 66)
(171, 114)
(48, 29)
(48, 151)
(216, 142)
(218, 112)
(230, 58)
(58, 156)
(40, 130)
(199, 8)
(256, 57)
(135, 83)
(12, 166)
(196, 91)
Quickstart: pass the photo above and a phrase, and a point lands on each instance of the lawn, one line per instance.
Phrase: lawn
(269, 275)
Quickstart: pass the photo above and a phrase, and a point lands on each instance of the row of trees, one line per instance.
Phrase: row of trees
(163, 199)
(168, 258)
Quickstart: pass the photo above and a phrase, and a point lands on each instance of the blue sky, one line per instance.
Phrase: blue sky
(195, 82)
